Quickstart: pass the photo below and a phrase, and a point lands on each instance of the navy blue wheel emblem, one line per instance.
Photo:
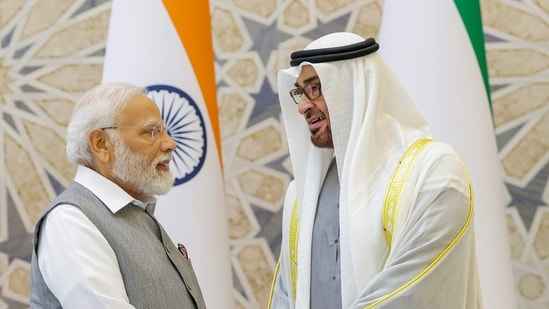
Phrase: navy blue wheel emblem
(186, 126)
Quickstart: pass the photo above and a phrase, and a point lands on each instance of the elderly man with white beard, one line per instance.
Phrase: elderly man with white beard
(98, 244)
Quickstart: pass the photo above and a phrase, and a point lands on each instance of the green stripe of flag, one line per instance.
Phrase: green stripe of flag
(471, 16)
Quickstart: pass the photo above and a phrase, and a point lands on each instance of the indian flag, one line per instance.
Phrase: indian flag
(166, 46)
(436, 48)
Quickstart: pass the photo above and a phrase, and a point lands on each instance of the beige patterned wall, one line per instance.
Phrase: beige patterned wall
(52, 50)
(518, 61)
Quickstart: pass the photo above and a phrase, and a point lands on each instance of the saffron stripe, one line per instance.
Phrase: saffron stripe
(191, 20)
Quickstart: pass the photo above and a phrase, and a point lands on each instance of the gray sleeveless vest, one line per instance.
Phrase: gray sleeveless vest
(155, 273)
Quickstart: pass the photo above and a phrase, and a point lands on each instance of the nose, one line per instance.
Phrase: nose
(167, 144)
(304, 105)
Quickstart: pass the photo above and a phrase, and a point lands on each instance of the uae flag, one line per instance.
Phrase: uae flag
(436, 48)
(166, 47)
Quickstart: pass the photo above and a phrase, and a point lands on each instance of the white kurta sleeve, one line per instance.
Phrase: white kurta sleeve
(77, 262)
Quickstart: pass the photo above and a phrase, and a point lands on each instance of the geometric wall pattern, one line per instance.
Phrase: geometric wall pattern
(517, 35)
(53, 50)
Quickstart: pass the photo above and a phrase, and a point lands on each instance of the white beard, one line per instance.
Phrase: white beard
(131, 168)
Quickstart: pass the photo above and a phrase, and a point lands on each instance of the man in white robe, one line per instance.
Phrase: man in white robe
(405, 233)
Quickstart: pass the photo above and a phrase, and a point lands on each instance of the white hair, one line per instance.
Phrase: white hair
(98, 108)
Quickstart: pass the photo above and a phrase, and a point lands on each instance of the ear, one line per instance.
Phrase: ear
(100, 145)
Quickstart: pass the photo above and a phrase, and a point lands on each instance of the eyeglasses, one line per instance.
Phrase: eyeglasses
(155, 130)
(311, 91)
